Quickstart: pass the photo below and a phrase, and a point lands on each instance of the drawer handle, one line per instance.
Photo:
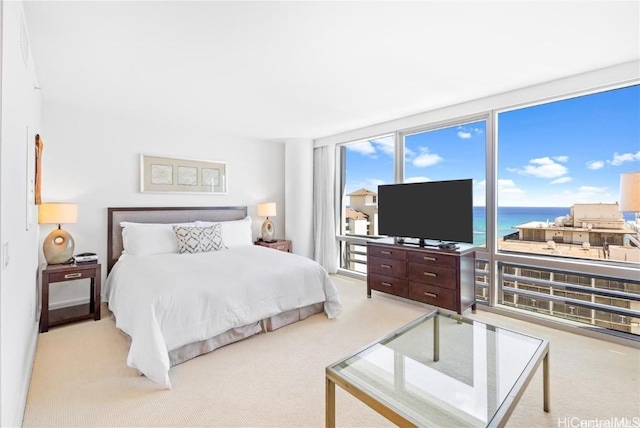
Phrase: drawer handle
(431, 259)
(387, 284)
(435, 296)
(430, 274)
(386, 266)
(73, 275)
(385, 252)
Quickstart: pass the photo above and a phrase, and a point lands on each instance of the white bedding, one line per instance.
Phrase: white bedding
(165, 301)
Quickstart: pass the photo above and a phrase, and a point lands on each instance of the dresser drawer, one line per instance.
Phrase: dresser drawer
(437, 296)
(387, 253)
(67, 276)
(387, 267)
(433, 259)
(432, 274)
(388, 284)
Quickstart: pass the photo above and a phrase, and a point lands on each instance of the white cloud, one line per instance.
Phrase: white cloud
(544, 168)
(371, 148)
(566, 198)
(504, 186)
(562, 180)
(586, 195)
(385, 144)
(591, 189)
(542, 161)
(416, 179)
(619, 159)
(563, 159)
(594, 165)
(362, 147)
(425, 159)
(408, 154)
(479, 193)
(465, 132)
(508, 186)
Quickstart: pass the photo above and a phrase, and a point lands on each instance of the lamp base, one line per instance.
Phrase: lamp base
(268, 231)
(58, 247)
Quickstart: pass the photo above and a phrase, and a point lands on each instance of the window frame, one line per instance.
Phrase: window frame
(587, 266)
(490, 252)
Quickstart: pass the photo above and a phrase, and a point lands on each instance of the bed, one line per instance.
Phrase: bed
(182, 282)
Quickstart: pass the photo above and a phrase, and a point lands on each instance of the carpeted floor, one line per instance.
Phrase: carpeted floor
(80, 376)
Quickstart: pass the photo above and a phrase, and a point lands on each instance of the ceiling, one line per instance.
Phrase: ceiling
(275, 70)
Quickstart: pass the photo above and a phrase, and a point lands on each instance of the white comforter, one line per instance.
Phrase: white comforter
(166, 301)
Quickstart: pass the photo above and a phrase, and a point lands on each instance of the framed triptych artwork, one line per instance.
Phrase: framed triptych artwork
(170, 175)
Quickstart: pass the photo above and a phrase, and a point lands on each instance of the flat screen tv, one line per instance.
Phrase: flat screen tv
(440, 211)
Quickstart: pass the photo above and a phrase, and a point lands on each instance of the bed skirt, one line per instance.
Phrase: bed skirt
(192, 350)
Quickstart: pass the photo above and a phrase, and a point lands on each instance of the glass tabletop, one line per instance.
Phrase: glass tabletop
(444, 370)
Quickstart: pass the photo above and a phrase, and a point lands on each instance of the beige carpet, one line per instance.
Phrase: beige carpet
(80, 377)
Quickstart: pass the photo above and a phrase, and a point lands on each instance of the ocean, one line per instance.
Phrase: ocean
(513, 216)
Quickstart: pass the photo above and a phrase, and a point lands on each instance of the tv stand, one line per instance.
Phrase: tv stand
(439, 277)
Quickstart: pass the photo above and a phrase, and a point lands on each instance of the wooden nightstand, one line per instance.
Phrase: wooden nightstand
(279, 244)
(60, 273)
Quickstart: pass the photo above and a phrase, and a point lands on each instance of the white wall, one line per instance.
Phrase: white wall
(299, 195)
(18, 297)
(92, 158)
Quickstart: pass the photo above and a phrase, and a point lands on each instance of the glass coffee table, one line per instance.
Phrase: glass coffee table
(442, 370)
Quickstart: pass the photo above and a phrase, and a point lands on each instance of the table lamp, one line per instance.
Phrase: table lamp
(58, 246)
(268, 229)
(630, 193)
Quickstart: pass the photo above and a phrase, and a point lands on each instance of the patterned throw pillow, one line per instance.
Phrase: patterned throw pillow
(199, 239)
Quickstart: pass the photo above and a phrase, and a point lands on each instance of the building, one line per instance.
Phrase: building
(362, 213)
(591, 227)
(588, 231)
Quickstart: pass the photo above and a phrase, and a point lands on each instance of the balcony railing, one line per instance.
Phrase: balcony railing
(602, 301)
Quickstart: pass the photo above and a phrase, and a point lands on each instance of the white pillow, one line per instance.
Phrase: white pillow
(234, 232)
(143, 239)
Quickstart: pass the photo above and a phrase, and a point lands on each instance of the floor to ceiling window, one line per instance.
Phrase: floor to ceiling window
(560, 166)
(366, 164)
(556, 243)
(450, 152)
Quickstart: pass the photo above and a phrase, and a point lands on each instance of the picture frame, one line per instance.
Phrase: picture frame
(160, 174)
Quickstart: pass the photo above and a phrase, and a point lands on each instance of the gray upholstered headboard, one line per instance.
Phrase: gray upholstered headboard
(161, 215)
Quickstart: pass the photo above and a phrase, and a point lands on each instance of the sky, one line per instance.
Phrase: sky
(550, 155)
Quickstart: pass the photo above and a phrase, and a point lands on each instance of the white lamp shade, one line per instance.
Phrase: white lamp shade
(630, 192)
(57, 213)
(267, 209)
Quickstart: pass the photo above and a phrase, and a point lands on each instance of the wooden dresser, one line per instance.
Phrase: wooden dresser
(443, 278)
